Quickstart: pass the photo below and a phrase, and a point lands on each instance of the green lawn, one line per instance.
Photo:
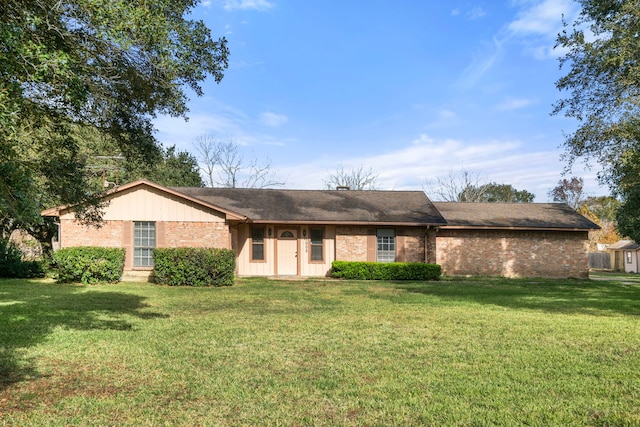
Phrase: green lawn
(263, 352)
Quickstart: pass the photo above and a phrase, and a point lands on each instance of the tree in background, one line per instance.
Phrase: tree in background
(456, 186)
(224, 166)
(108, 66)
(628, 179)
(603, 93)
(602, 211)
(569, 191)
(466, 186)
(353, 179)
(498, 193)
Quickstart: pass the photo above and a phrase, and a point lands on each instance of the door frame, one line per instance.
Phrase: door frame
(296, 238)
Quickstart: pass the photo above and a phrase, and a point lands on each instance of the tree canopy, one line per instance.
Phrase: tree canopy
(602, 87)
(495, 193)
(569, 191)
(466, 186)
(109, 66)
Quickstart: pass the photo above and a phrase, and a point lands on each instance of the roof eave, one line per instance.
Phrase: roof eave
(360, 223)
(519, 228)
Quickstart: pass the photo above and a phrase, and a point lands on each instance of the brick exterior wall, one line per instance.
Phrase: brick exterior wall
(73, 234)
(197, 235)
(413, 244)
(513, 253)
(351, 243)
(168, 234)
(359, 244)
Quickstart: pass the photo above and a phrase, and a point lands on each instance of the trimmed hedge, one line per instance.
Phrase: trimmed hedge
(89, 264)
(194, 266)
(385, 270)
(12, 265)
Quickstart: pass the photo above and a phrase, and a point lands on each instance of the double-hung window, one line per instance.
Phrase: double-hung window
(317, 236)
(386, 245)
(257, 243)
(144, 241)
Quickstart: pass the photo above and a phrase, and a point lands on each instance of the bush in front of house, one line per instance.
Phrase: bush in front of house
(356, 270)
(194, 266)
(88, 264)
(13, 266)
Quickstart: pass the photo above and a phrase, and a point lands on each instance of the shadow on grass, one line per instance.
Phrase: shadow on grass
(31, 310)
(594, 297)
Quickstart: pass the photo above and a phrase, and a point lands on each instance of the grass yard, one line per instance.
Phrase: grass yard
(266, 352)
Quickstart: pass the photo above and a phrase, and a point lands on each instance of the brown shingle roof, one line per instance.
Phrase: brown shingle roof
(322, 206)
(513, 215)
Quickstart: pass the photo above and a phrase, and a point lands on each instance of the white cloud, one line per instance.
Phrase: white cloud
(425, 159)
(514, 104)
(472, 14)
(481, 64)
(261, 5)
(543, 18)
(447, 115)
(272, 119)
(538, 23)
(475, 13)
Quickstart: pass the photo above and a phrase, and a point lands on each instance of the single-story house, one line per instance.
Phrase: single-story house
(625, 256)
(278, 232)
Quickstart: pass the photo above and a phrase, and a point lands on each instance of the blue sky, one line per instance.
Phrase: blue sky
(413, 89)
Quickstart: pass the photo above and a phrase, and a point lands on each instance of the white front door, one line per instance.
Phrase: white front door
(287, 252)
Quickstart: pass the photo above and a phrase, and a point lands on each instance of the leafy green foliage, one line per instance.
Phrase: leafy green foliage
(88, 264)
(105, 66)
(194, 266)
(12, 265)
(495, 193)
(603, 94)
(385, 271)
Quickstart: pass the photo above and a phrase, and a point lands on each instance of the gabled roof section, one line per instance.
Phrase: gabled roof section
(55, 211)
(550, 216)
(323, 206)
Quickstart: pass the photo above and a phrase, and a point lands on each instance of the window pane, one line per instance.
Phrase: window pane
(144, 241)
(316, 236)
(257, 251)
(386, 245)
(316, 252)
(257, 234)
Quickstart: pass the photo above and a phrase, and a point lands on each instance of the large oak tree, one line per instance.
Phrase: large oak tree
(107, 65)
(602, 86)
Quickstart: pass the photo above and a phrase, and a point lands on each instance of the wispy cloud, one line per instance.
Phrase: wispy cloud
(543, 18)
(537, 25)
(482, 62)
(511, 104)
(472, 14)
(272, 119)
(260, 5)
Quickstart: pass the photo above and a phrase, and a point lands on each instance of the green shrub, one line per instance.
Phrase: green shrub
(12, 265)
(385, 271)
(89, 264)
(194, 266)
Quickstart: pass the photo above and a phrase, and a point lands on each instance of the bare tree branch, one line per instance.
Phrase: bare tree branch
(353, 179)
(223, 165)
(461, 186)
